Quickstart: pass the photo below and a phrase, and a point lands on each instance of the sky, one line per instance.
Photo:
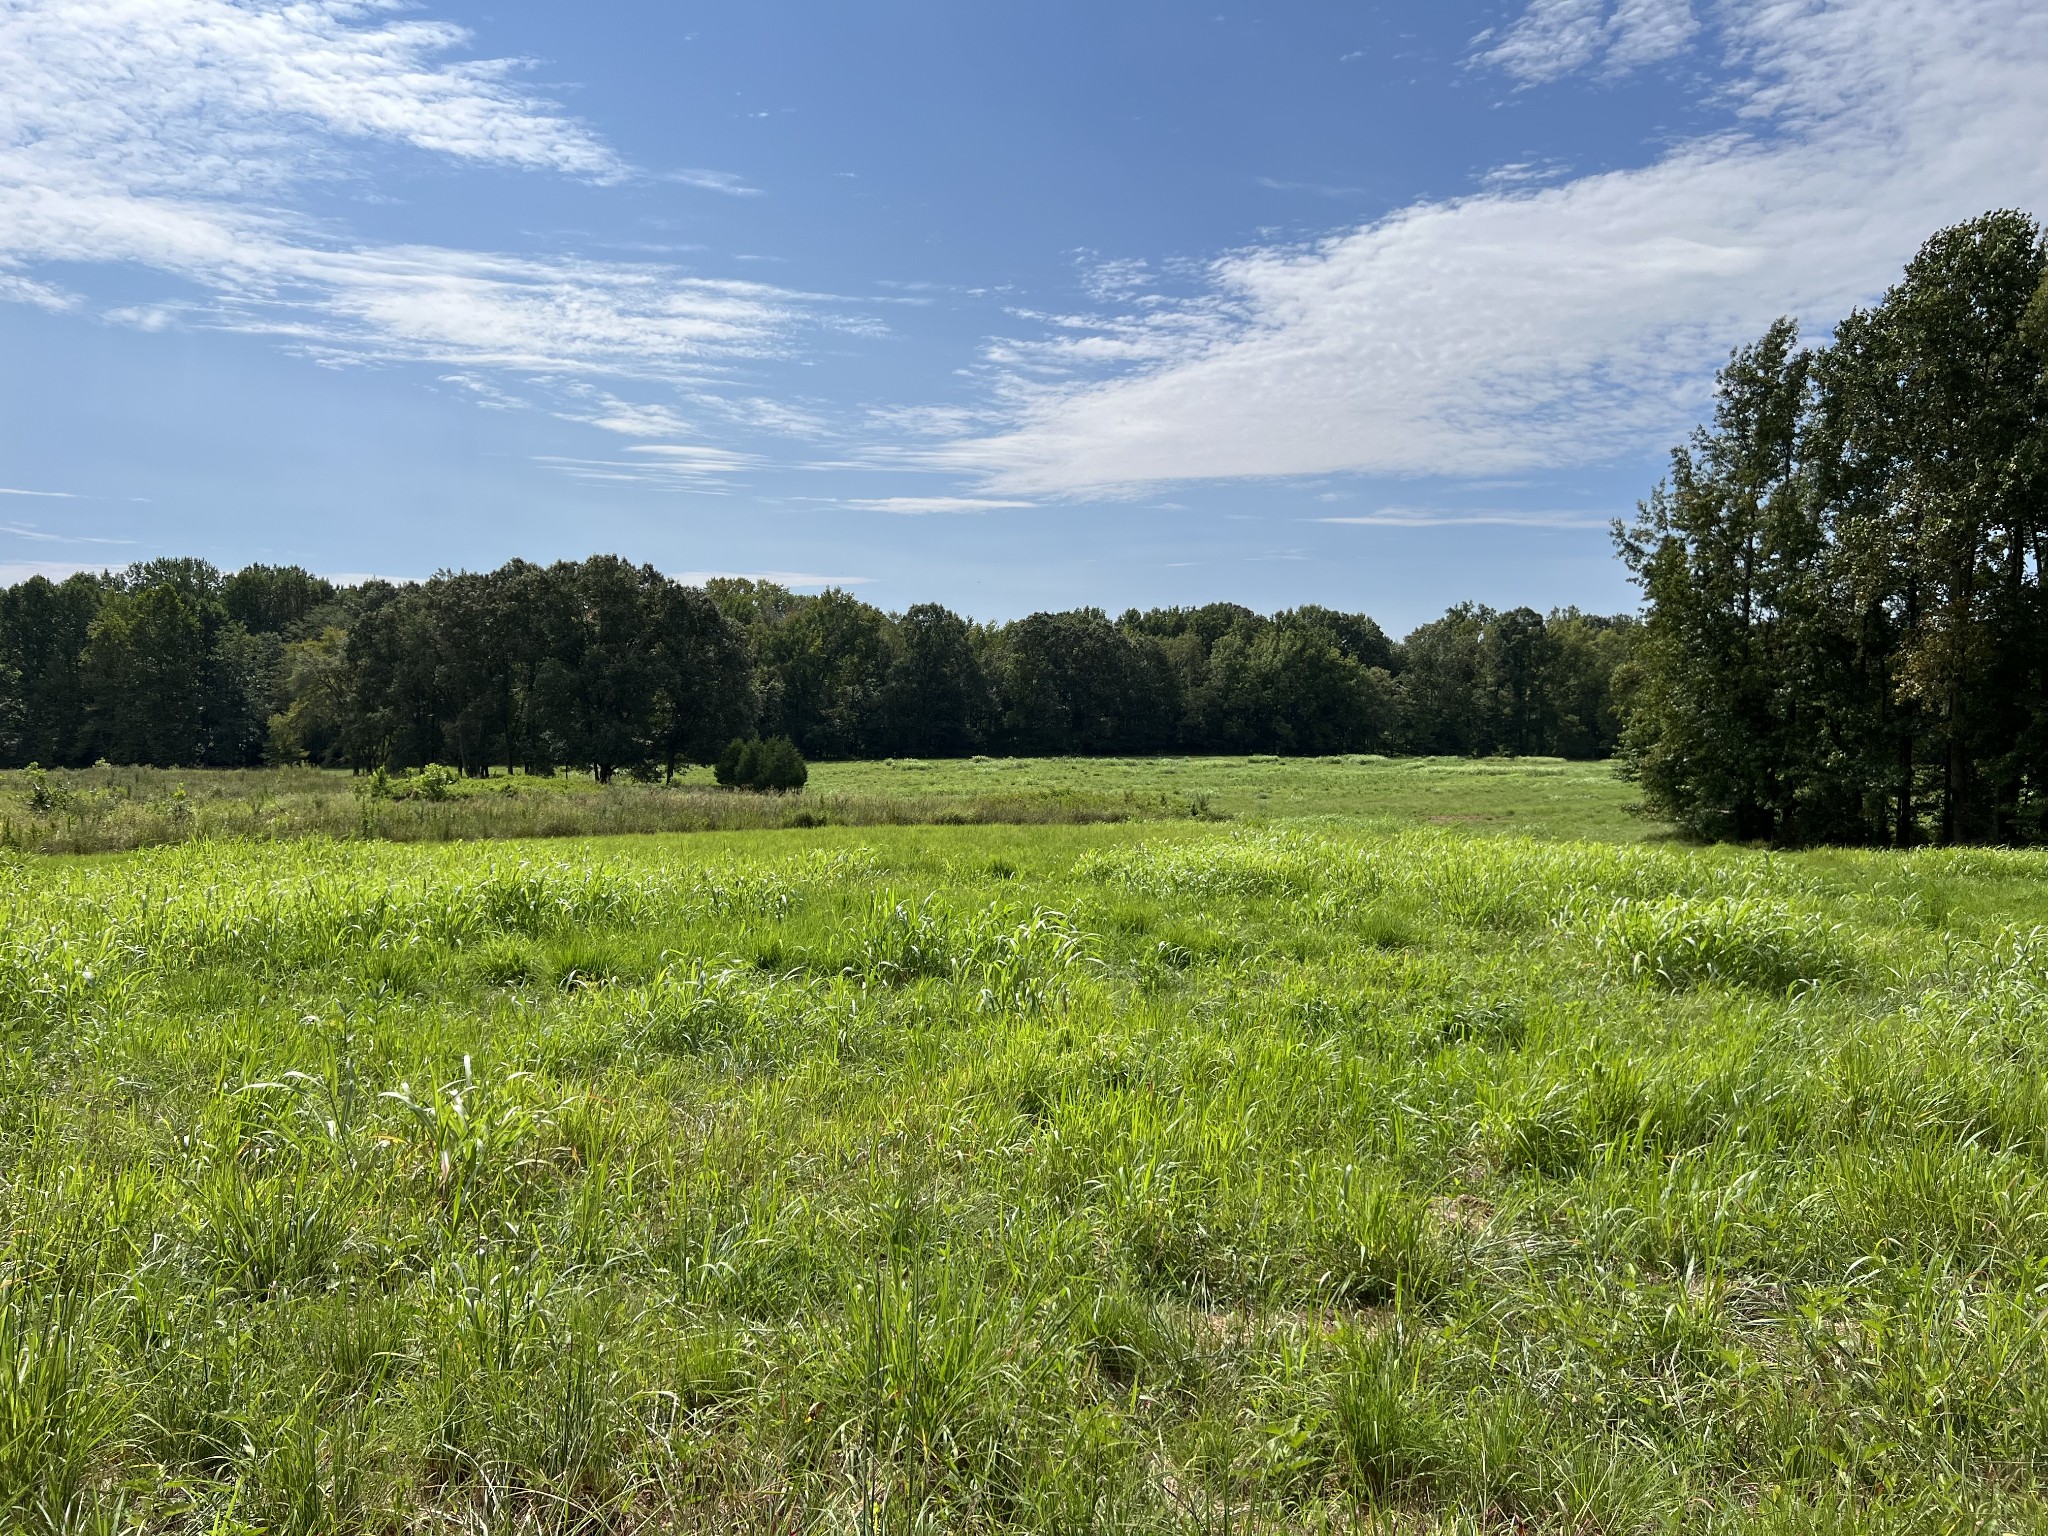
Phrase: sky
(1008, 306)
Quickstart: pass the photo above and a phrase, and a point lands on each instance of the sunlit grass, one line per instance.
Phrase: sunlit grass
(103, 809)
(1164, 1176)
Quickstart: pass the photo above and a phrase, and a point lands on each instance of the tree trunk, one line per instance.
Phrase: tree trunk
(1902, 835)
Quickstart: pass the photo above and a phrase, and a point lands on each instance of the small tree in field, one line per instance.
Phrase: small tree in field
(780, 767)
(773, 765)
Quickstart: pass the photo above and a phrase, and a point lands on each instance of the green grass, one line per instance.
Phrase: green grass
(1154, 1177)
(1536, 796)
(101, 810)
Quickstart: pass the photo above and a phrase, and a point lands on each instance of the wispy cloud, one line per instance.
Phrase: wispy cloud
(918, 506)
(1272, 184)
(53, 495)
(629, 419)
(1554, 38)
(1522, 329)
(176, 135)
(1469, 517)
(668, 466)
(795, 580)
(14, 572)
(713, 181)
(43, 536)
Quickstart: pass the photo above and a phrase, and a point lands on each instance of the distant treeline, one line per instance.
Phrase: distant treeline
(1847, 573)
(604, 665)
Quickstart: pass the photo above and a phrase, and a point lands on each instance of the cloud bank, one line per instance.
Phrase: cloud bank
(1520, 330)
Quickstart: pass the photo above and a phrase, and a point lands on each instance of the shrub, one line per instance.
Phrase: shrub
(736, 764)
(42, 800)
(436, 781)
(773, 765)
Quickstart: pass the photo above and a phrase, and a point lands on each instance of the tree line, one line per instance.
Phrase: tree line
(1844, 635)
(1846, 623)
(606, 666)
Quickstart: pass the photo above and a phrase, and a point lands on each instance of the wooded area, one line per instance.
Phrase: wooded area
(1847, 627)
(608, 666)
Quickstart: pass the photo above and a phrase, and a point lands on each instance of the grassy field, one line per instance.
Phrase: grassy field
(1170, 1176)
(101, 810)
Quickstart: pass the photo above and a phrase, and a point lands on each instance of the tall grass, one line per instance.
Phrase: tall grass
(1158, 1177)
(106, 809)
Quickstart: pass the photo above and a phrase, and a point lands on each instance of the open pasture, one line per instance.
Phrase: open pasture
(1157, 1177)
(98, 810)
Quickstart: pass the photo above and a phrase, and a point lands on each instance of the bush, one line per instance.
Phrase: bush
(762, 765)
(436, 781)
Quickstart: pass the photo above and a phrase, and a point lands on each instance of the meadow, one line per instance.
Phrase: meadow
(105, 809)
(1309, 1172)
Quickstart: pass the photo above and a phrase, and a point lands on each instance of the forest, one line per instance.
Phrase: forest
(604, 666)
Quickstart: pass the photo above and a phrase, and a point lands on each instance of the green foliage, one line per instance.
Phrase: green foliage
(1738, 940)
(1844, 641)
(42, 799)
(608, 666)
(773, 766)
(56, 1413)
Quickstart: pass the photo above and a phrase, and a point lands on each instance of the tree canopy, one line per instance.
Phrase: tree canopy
(607, 666)
(1847, 628)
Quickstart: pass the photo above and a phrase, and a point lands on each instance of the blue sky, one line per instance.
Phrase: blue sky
(1009, 306)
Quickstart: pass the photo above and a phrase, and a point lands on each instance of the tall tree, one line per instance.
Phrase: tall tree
(1075, 683)
(1934, 420)
(1442, 707)
(316, 698)
(936, 699)
(703, 678)
(274, 599)
(1719, 736)
(1588, 654)
(1515, 664)
(44, 626)
(145, 672)
(1287, 688)
(597, 687)
(828, 661)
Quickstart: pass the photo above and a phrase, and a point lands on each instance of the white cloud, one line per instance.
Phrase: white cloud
(1519, 330)
(358, 578)
(174, 135)
(795, 580)
(916, 506)
(713, 181)
(670, 466)
(629, 419)
(37, 535)
(16, 289)
(1554, 38)
(53, 495)
(14, 572)
(216, 97)
(1469, 517)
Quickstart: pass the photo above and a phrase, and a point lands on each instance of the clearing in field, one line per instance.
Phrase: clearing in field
(1172, 1176)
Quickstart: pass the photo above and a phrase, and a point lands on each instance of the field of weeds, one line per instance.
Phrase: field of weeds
(1168, 1177)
